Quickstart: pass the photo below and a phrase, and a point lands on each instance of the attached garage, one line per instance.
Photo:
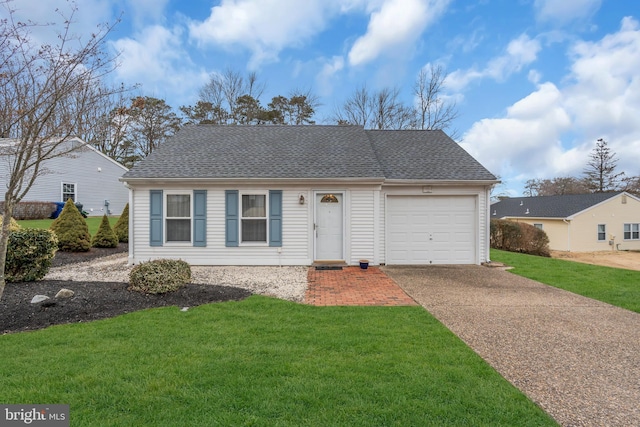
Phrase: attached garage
(431, 230)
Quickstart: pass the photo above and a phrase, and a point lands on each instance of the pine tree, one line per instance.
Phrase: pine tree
(600, 174)
(105, 237)
(71, 229)
(121, 228)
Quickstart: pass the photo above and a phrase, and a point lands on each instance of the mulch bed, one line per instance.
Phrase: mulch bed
(93, 300)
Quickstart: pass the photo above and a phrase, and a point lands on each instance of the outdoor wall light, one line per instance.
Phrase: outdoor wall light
(301, 199)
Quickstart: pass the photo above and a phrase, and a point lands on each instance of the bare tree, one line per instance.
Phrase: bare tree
(432, 110)
(600, 174)
(356, 110)
(44, 94)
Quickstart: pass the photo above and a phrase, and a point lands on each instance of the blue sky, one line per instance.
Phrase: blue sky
(536, 82)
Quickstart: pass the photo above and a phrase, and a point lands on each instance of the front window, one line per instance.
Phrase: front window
(632, 232)
(68, 192)
(538, 226)
(254, 218)
(602, 232)
(178, 220)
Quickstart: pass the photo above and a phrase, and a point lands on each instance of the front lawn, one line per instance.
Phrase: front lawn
(611, 285)
(261, 361)
(93, 222)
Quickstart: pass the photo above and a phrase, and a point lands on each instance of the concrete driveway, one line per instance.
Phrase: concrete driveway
(579, 359)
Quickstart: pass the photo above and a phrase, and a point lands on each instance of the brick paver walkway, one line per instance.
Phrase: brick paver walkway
(354, 286)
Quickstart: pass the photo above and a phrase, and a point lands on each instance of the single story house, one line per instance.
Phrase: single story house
(295, 195)
(85, 176)
(579, 222)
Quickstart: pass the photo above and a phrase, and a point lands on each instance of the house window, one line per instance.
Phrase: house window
(178, 218)
(253, 222)
(602, 232)
(538, 226)
(68, 192)
(632, 232)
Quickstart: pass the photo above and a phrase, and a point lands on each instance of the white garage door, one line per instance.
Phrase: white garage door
(431, 230)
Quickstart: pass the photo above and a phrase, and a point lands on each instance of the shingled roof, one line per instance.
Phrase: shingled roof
(547, 206)
(307, 152)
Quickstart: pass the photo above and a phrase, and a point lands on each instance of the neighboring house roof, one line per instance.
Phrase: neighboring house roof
(548, 206)
(81, 145)
(308, 152)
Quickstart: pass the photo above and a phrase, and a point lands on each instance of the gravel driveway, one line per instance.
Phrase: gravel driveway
(579, 359)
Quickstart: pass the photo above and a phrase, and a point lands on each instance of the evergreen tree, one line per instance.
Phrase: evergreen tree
(121, 228)
(600, 174)
(105, 237)
(71, 229)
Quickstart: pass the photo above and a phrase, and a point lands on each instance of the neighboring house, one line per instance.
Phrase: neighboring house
(294, 195)
(86, 176)
(579, 222)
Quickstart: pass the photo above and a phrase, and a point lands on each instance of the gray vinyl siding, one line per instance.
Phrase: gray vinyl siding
(92, 186)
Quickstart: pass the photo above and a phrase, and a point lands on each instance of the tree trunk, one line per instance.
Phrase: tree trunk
(4, 241)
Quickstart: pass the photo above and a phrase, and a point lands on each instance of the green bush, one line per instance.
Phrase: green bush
(159, 276)
(105, 237)
(29, 254)
(71, 229)
(518, 237)
(121, 228)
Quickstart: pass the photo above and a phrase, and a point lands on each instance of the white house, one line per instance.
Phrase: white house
(86, 176)
(295, 195)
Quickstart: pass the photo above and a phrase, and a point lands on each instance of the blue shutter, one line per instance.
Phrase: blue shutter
(231, 218)
(155, 218)
(275, 218)
(199, 217)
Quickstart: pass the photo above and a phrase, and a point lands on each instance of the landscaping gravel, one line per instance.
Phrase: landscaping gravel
(578, 358)
(289, 283)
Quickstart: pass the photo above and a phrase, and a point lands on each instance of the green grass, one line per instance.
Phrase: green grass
(615, 286)
(93, 222)
(262, 362)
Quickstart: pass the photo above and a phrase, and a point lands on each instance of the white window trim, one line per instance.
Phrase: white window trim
(75, 191)
(604, 239)
(538, 225)
(264, 193)
(631, 231)
(165, 211)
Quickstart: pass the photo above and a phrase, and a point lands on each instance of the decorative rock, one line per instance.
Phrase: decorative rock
(65, 293)
(184, 309)
(39, 298)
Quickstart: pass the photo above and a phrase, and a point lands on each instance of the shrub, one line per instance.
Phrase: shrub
(159, 276)
(121, 228)
(13, 225)
(31, 210)
(29, 254)
(105, 237)
(71, 229)
(518, 237)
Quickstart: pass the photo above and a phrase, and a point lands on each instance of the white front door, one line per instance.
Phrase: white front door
(329, 227)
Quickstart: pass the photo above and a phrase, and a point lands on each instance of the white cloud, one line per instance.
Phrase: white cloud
(147, 10)
(562, 12)
(264, 27)
(519, 53)
(396, 24)
(156, 57)
(85, 19)
(551, 132)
